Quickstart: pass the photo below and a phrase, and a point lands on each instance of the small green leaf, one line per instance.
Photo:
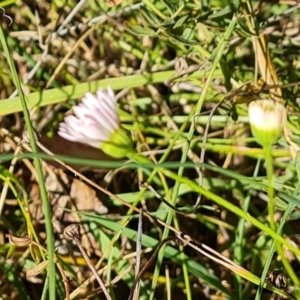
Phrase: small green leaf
(289, 199)
(168, 23)
(139, 30)
(181, 21)
(188, 34)
(170, 6)
(225, 12)
(151, 18)
(177, 39)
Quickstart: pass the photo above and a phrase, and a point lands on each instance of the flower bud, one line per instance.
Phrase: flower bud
(267, 119)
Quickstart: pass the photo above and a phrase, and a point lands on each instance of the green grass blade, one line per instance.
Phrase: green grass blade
(57, 95)
(45, 201)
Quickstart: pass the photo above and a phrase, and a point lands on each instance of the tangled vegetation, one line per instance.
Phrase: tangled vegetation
(202, 209)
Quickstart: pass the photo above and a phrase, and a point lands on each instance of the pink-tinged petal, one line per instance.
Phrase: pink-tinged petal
(80, 112)
(73, 123)
(111, 94)
(77, 128)
(103, 95)
(95, 128)
(71, 119)
(67, 136)
(89, 104)
(99, 124)
(89, 130)
(89, 100)
(108, 118)
(95, 121)
(80, 135)
(108, 99)
(95, 133)
(107, 108)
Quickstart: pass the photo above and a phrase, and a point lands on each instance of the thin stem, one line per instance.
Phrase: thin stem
(270, 176)
(150, 261)
(271, 213)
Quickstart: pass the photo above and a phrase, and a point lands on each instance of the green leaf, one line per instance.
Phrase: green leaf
(188, 34)
(176, 39)
(181, 21)
(139, 30)
(7, 2)
(289, 199)
(225, 12)
(170, 6)
(151, 18)
(48, 97)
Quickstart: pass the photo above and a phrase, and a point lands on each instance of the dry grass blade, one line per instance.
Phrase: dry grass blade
(266, 67)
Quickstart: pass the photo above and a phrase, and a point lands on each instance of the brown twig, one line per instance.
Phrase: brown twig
(73, 232)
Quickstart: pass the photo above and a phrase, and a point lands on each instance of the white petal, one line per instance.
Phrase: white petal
(108, 108)
(80, 111)
(89, 100)
(109, 99)
(77, 128)
(107, 117)
(111, 94)
(66, 135)
(95, 119)
(99, 126)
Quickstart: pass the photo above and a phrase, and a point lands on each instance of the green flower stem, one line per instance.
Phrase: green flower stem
(270, 170)
(214, 59)
(137, 157)
(271, 212)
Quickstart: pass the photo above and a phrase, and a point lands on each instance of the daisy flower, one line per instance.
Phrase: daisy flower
(96, 123)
